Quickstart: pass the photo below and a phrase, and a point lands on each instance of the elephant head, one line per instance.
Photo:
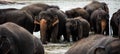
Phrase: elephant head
(48, 22)
(70, 26)
(70, 13)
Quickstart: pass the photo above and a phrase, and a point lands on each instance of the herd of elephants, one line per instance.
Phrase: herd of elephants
(17, 27)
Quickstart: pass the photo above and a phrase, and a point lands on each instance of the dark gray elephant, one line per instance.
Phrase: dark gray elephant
(14, 39)
(35, 9)
(17, 16)
(77, 27)
(100, 21)
(115, 23)
(94, 5)
(52, 25)
(96, 44)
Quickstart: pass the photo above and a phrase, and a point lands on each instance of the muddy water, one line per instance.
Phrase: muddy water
(61, 48)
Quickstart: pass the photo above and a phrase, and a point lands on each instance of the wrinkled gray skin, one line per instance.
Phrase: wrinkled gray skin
(17, 40)
(52, 25)
(96, 44)
(94, 5)
(77, 28)
(21, 18)
(100, 21)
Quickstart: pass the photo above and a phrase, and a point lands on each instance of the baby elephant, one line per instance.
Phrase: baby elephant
(97, 44)
(77, 27)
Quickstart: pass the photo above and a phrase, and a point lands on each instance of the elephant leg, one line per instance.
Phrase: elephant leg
(67, 33)
(67, 38)
(119, 30)
(48, 35)
(48, 38)
(115, 31)
(58, 37)
(80, 32)
(107, 28)
(54, 33)
(114, 28)
(98, 28)
(74, 37)
(95, 28)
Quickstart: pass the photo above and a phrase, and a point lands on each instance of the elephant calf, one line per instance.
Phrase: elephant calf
(16, 40)
(77, 27)
(97, 44)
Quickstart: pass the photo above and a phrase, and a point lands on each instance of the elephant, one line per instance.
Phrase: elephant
(14, 39)
(115, 23)
(77, 27)
(75, 12)
(100, 22)
(17, 16)
(94, 5)
(35, 9)
(52, 25)
(96, 44)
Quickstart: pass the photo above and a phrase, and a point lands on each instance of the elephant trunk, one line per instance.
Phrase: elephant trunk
(103, 25)
(43, 28)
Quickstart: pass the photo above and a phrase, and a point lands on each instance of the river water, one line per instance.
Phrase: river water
(61, 48)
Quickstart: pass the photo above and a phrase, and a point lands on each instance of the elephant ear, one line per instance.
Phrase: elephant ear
(55, 20)
(4, 45)
(36, 20)
(99, 50)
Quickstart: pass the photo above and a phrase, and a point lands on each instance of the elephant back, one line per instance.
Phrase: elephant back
(93, 42)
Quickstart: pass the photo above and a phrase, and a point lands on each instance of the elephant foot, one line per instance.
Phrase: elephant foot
(55, 41)
(66, 40)
(45, 42)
